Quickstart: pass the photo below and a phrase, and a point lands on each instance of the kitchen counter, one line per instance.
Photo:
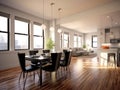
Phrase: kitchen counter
(103, 55)
(108, 50)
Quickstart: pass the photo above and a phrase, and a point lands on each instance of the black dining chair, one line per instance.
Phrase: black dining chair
(33, 53)
(53, 67)
(25, 69)
(36, 63)
(46, 51)
(65, 62)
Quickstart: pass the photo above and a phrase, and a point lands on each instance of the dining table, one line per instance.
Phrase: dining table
(39, 59)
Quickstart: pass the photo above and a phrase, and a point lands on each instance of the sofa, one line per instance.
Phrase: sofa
(79, 52)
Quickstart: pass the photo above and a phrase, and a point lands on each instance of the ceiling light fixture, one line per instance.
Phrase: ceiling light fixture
(43, 24)
(52, 26)
(59, 11)
(108, 16)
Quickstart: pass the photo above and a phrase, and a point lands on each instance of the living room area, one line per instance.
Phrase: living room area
(85, 29)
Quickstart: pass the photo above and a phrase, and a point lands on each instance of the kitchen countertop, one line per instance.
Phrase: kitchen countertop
(109, 50)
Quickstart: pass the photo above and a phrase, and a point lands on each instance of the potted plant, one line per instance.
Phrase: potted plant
(84, 46)
(49, 44)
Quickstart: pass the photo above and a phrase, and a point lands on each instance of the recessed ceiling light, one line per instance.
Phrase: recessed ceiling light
(116, 23)
(108, 16)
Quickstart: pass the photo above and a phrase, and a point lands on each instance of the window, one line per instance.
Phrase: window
(4, 31)
(61, 38)
(75, 40)
(21, 33)
(65, 40)
(38, 37)
(79, 41)
(94, 41)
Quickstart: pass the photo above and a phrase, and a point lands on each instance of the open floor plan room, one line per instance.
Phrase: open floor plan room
(84, 74)
(59, 44)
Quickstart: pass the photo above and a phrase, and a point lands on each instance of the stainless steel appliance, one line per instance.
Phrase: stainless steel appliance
(114, 40)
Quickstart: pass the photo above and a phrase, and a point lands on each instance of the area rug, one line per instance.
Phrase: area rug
(91, 55)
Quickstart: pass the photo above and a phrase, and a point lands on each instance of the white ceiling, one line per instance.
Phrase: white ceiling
(82, 15)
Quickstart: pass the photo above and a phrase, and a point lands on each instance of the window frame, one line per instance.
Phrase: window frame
(36, 23)
(65, 40)
(75, 41)
(80, 40)
(22, 20)
(94, 36)
(2, 14)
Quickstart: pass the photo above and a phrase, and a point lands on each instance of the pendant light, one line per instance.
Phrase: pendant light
(43, 25)
(52, 26)
(59, 28)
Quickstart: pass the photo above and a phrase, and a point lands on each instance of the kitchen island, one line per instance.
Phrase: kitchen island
(103, 56)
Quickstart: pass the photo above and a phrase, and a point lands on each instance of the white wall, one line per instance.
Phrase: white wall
(9, 59)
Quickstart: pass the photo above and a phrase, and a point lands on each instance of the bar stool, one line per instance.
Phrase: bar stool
(109, 58)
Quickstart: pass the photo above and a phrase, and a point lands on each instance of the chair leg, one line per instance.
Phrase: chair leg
(56, 73)
(25, 80)
(23, 75)
(38, 74)
(61, 70)
(66, 68)
(20, 76)
(34, 75)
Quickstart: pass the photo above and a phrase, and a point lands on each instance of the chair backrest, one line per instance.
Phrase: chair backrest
(67, 58)
(65, 50)
(21, 57)
(46, 51)
(33, 52)
(55, 60)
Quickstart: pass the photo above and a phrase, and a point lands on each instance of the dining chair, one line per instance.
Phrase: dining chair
(25, 69)
(46, 51)
(36, 63)
(65, 62)
(33, 53)
(53, 67)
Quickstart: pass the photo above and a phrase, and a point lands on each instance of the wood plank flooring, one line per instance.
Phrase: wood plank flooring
(85, 74)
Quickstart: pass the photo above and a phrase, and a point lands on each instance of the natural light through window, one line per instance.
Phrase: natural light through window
(66, 40)
(94, 41)
(79, 41)
(21, 34)
(75, 40)
(38, 36)
(3, 33)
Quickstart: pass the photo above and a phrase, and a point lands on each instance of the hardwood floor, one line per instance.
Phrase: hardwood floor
(85, 74)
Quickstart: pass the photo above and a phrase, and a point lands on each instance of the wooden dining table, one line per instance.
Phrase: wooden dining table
(39, 59)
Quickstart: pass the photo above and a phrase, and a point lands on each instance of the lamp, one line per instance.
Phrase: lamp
(43, 25)
(59, 11)
(111, 33)
(52, 27)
